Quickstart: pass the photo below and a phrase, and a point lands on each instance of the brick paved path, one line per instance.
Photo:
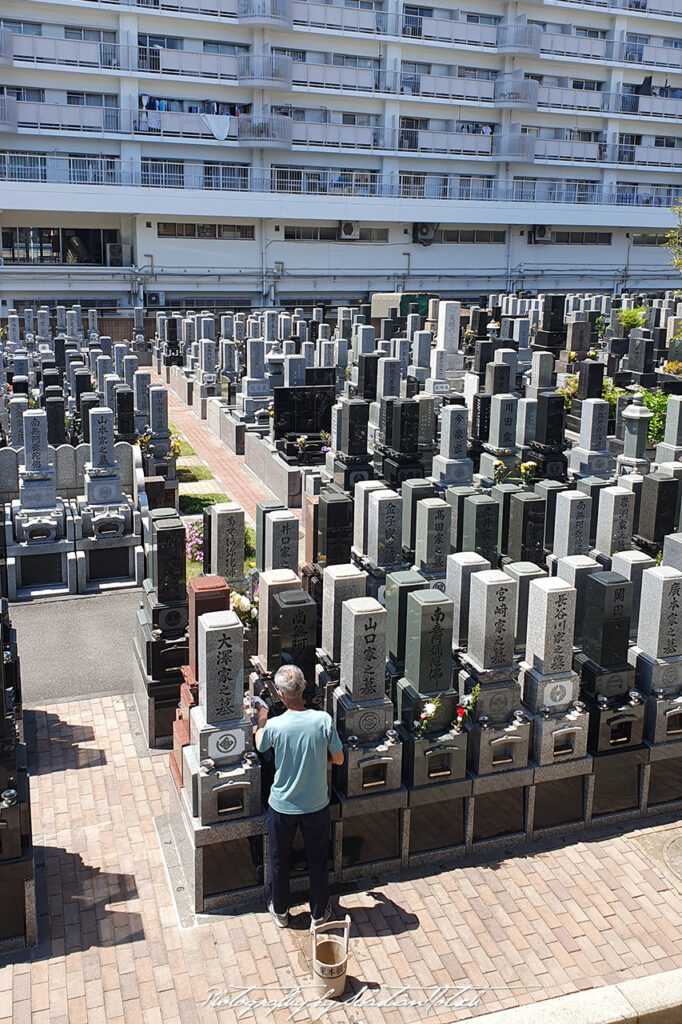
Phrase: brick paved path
(239, 482)
(579, 915)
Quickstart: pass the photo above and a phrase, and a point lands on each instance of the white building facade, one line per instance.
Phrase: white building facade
(175, 152)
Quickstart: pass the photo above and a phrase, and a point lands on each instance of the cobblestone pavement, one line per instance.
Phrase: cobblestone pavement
(575, 915)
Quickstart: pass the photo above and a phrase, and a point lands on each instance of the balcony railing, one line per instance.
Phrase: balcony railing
(517, 92)
(644, 156)
(475, 90)
(664, 8)
(70, 52)
(339, 136)
(565, 149)
(176, 175)
(514, 147)
(647, 106)
(330, 76)
(265, 69)
(222, 67)
(268, 132)
(6, 46)
(517, 38)
(264, 12)
(572, 99)
(451, 143)
(8, 114)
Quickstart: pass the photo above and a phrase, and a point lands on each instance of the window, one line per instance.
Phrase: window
(473, 236)
(587, 85)
(23, 166)
(162, 173)
(667, 142)
(23, 92)
(90, 99)
(164, 229)
(582, 238)
(373, 234)
(226, 176)
(482, 19)
(284, 51)
(348, 60)
(674, 44)
(309, 233)
(475, 187)
(227, 49)
(90, 35)
(483, 74)
(93, 170)
(21, 28)
(590, 33)
(654, 239)
(160, 42)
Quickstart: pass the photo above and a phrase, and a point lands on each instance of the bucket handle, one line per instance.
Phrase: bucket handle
(319, 929)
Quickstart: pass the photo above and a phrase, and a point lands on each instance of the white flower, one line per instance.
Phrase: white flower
(254, 613)
(429, 708)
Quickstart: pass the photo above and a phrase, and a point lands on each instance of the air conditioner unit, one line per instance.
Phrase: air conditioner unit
(425, 234)
(118, 255)
(542, 235)
(156, 298)
(349, 230)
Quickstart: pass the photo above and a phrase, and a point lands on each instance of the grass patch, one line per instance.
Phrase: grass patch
(193, 569)
(190, 474)
(249, 547)
(194, 504)
(185, 446)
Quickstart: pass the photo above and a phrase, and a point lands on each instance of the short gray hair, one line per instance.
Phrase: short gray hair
(290, 681)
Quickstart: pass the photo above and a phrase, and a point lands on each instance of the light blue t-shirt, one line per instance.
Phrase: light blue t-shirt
(300, 740)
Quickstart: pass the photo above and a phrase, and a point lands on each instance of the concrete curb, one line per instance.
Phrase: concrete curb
(653, 1000)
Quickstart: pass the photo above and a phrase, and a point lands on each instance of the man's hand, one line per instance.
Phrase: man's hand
(262, 718)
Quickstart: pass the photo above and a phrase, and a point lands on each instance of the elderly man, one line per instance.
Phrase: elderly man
(303, 741)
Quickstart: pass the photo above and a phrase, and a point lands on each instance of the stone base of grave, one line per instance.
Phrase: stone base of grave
(372, 832)
(181, 384)
(156, 703)
(201, 395)
(665, 778)
(284, 481)
(502, 807)
(109, 564)
(41, 569)
(619, 784)
(223, 864)
(436, 760)
(438, 820)
(17, 894)
(562, 798)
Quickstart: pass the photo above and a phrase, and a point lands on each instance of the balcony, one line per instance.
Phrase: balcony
(572, 99)
(518, 38)
(330, 76)
(514, 91)
(648, 106)
(514, 147)
(652, 56)
(218, 66)
(265, 12)
(71, 52)
(338, 136)
(475, 90)
(443, 30)
(644, 156)
(338, 19)
(664, 8)
(420, 140)
(570, 151)
(8, 114)
(265, 70)
(52, 117)
(268, 132)
(558, 45)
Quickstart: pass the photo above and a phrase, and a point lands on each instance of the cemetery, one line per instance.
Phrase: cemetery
(469, 541)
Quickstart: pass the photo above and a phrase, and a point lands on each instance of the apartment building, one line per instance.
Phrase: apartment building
(184, 152)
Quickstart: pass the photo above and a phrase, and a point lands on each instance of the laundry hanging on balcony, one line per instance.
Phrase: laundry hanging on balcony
(218, 125)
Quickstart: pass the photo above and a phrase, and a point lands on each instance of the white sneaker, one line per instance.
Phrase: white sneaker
(321, 920)
(281, 920)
